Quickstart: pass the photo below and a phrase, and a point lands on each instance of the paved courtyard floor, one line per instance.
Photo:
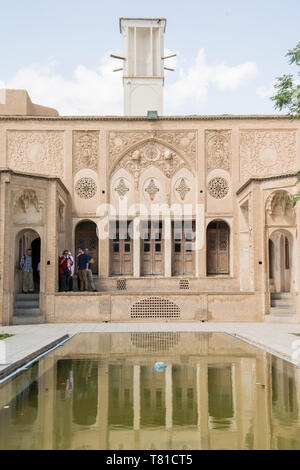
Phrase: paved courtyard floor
(276, 337)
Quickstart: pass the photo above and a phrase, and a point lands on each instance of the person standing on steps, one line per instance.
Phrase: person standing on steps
(65, 264)
(83, 266)
(26, 267)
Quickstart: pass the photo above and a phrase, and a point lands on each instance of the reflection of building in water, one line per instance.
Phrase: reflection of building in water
(285, 405)
(21, 414)
(216, 393)
(120, 395)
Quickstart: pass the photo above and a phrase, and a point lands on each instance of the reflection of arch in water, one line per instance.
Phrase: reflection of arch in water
(85, 397)
(220, 394)
(155, 342)
(25, 404)
(285, 391)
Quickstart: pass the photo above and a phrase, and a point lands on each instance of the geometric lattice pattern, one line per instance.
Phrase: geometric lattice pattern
(155, 342)
(184, 284)
(154, 307)
(86, 188)
(121, 284)
(218, 187)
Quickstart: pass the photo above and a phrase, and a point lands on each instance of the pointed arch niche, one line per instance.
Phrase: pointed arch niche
(151, 152)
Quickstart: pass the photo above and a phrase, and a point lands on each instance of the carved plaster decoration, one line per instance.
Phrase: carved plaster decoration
(86, 188)
(60, 213)
(279, 203)
(268, 152)
(27, 198)
(121, 188)
(218, 149)
(151, 154)
(184, 141)
(152, 189)
(182, 189)
(218, 187)
(85, 150)
(39, 152)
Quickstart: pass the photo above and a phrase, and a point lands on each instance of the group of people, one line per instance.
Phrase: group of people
(67, 265)
(83, 267)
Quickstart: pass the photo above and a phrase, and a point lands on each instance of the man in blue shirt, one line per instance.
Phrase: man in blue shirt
(83, 267)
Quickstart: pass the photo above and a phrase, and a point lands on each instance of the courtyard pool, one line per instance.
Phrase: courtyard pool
(102, 391)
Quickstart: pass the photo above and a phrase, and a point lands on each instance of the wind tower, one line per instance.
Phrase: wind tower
(143, 69)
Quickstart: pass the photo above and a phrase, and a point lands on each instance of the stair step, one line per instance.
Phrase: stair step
(27, 297)
(26, 311)
(28, 304)
(273, 318)
(282, 303)
(281, 295)
(28, 320)
(282, 311)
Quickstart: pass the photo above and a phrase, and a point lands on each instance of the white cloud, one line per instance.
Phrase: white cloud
(100, 91)
(89, 91)
(193, 84)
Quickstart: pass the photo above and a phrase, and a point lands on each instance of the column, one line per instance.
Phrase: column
(202, 402)
(168, 246)
(6, 252)
(136, 397)
(257, 225)
(102, 415)
(169, 406)
(46, 412)
(102, 211)
(136, 247)
(237, 393)
(262, 439)
(169, 397)
(201, 207)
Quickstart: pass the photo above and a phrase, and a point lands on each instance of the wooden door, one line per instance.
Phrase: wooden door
(121, 259)
(152, 249)
(86, 237)
(183, 253)
(217, 248)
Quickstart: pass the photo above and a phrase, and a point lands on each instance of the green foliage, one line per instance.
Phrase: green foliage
(5, 335)
(287, 89)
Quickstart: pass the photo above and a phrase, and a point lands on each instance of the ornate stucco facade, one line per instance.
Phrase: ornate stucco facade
(187, 217)
(230, 177)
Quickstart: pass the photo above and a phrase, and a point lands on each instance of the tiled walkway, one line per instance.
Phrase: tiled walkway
(27, 339)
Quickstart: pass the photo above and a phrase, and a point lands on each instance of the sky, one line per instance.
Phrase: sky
(229, 53)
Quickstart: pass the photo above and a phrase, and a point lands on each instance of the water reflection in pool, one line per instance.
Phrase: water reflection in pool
(101, 391)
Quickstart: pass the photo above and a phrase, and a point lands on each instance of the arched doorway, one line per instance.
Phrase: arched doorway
(280, 257)
(217, 246)
(86, 237)
(27, 238)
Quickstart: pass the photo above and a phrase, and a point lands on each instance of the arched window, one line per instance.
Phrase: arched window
(217, 248)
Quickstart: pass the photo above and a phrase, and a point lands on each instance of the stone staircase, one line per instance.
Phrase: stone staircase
(282, 308)
(27, 309)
